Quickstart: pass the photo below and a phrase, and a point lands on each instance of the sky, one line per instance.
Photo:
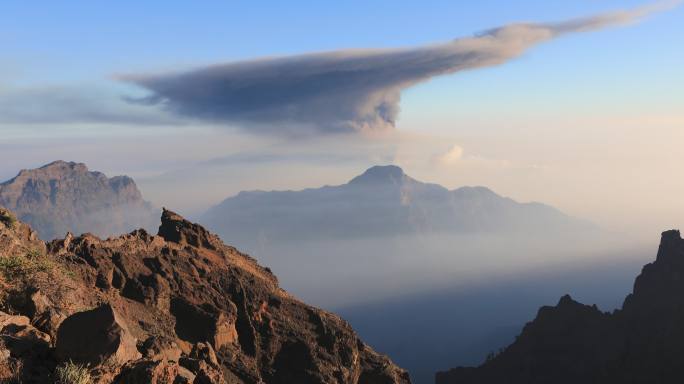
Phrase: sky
(200, 100)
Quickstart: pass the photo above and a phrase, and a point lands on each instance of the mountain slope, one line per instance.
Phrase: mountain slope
(177, 307)
(381, 201)
(63, 197)
(574, 343)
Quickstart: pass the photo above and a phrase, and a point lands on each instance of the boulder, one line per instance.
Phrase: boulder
(158, 348)
(148, 372)
(209, 376)
(19, 337)
(176, 229)
(46, 315)
(204, 351)
(94, 336)
(203, 362)
(204, 372)
(195, 323)
(185, 376)
(13, 321)
(24, 351)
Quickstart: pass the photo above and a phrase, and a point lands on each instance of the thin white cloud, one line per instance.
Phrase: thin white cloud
(452, 156)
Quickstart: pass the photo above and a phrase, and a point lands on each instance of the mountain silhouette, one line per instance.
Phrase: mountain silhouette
(643, 342)
(381, 201)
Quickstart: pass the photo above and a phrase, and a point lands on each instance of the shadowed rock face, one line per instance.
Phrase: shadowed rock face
(94, 336)
(573, 343)
(63, 197)
(185, 295)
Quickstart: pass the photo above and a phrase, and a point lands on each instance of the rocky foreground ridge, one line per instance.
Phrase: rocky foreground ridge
(176, 307)
(643, 342)
(63, 197)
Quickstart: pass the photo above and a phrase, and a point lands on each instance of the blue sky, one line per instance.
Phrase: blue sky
(82, 40)
(86, 42)
(576, 116)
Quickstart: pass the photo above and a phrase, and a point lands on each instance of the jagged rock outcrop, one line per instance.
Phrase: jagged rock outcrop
(643, 342)
(22, 347)
(200, 311)
(63, 197)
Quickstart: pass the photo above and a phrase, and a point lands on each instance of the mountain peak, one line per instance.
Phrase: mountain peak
(56, 169)
(671, 245)
(380, 174)
(64, 196)
(175, 228)
(64, 164)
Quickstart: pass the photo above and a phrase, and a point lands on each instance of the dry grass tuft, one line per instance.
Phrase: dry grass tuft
(72, 373)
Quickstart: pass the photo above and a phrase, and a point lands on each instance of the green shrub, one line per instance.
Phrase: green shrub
(8, 219)
(16, 266)
(72, 373)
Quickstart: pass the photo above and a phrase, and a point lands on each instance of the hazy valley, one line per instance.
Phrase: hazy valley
(385, 192)
(412, 266)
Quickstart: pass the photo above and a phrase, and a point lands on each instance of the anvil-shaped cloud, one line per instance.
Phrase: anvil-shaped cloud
(344, 91)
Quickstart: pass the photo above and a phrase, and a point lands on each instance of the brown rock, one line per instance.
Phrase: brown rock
(176, 229)
(205, 352)
(7, 320)
(205, 373)
(184, 376)
(161, 348)
(95, 336)
(197, 324)
(45, 315)
(209, 376)
(24, 351)
(222, 308)
(17, 238)
(148, 372)
(20, 337)
(9, 366)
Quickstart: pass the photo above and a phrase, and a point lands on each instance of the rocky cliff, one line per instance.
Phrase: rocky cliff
(643, 342)
(63, 197)
(176, 307)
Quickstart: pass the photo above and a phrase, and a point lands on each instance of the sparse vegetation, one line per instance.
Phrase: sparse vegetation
(8, 219)
(18, 266)
(72, 373)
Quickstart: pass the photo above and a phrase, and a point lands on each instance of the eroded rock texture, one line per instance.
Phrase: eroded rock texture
(196, 310)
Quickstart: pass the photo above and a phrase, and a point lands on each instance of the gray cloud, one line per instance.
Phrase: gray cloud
(344, 91)
(74, 105)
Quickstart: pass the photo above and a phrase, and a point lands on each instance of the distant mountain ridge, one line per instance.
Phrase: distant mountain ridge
(381, 201)
(62, 197)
